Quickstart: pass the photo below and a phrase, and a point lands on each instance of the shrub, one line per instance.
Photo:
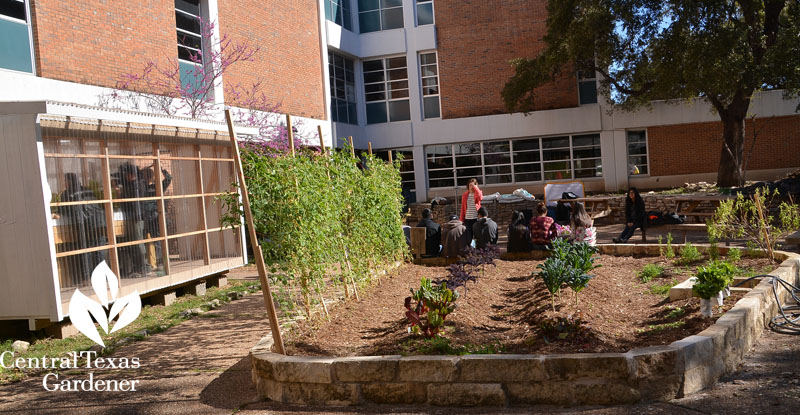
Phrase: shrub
(435, 301)
(713, 249)
(650, 271)
(669, 253)
(568, 264)
(659, 289)
(553, 274)
(734, 255)
(689, 254)
(711, 279)
(750, 218)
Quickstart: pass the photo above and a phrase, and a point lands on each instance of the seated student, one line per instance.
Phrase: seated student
(543, 229)
(455, 238)
(433, 234)
(484, 230)
(634, 215)
(582, 229)
(519, 234)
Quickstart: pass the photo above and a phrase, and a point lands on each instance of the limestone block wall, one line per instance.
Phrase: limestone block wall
(647, 374)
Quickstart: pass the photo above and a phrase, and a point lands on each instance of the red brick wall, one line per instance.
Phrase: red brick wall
(696, 148)
(289, 62)
(476, 39)
(94, 42)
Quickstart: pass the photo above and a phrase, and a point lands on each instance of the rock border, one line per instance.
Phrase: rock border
(657, 373)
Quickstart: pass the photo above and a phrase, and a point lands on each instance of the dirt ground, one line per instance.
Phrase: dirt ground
(504, 310)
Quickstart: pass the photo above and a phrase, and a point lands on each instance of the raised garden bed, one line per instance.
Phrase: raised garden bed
(635, 363)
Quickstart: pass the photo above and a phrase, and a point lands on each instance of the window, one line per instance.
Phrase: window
(375, 15)
(587, 87)
(338, 11)
(343, 89)
(406, 171)
(15, 36)
(386, 90)
(424, 12)
(430, 85)
(514, 161)
(637, 153)
(188, 24)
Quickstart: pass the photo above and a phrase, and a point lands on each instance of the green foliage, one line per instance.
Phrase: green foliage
(316, 212)
(655, 328)
(568, 264)
(553, 273)
(721, 51)
(750, 218)
(712, 278)
(751, 250)
(734, 254)
(689, 254)
(436, 301)
(650, 271)
(442, 346)
(662, 289)
(713, 249)
(660, 247)
(676, 312)
(669, 253)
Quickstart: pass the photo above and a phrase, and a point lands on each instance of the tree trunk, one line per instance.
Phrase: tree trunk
(730, 172)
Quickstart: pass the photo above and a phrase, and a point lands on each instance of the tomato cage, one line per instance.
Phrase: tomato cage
(82, 185)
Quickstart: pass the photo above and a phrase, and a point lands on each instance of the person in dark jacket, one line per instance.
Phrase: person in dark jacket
(433, 234)
(484, 230)
(634, 215)
(455, 238)
(132, 258)
(519, 234)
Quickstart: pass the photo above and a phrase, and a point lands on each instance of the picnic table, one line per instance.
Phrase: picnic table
(686, 205)
(596, 206)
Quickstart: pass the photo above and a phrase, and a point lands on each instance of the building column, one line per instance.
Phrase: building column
(621, 159)
(420, 176)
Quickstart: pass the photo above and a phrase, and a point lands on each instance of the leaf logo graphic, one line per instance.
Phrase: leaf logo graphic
(83, 308)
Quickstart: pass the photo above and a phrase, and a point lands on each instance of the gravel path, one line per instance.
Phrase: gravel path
(201, 367)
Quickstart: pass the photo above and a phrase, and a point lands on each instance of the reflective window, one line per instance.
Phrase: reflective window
(637, 153)
(338, 11)
(429, 73)
(587, 87)
(15, 36)
(188, 24)
(375, 15)
(386, 90)
(424, 12)
(343, 89)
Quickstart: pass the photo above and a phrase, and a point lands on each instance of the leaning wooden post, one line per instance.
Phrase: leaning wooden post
(262, 269)
(352, 149)
(390, 157)
(321, 140)
(290, 132)
(369, 147)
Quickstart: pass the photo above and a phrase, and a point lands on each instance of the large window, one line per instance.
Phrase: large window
(429, 72)
(386, 90)
(424, 12)
(338, 11)
(514, 161)
(343, 89)
(637, 153)
(375, 15)
(188, 24)
(15, 36)
(587, 87)
(406, 157)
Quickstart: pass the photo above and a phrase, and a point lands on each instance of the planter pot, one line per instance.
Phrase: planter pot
(719, 298)
(706, 308)
(726, 292)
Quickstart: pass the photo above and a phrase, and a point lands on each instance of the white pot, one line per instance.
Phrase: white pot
(706, 308)
(726, 292)
(719, 298)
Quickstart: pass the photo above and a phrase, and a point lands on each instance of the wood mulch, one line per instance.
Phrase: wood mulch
(506, 306)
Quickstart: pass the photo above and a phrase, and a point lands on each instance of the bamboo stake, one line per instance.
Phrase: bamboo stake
(324, 306)
(321, 140)
(757, 200)
(262, 270)
(390, 157)
(369, 147)
(352, 149)
(350, 269)
(290, 132)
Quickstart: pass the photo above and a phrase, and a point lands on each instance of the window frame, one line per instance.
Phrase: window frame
(386, 87)
(628, 155)
(380, 11)
(200, 7)
(344, 4)
(422, 87)
(332, 78)
(581, 79)
(418, 3)
(27, 22)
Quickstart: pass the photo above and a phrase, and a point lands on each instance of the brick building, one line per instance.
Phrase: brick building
(419, 77)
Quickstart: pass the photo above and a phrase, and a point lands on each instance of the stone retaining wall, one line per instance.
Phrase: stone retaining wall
(647, 374)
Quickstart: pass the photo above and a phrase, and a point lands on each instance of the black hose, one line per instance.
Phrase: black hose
(782, 323)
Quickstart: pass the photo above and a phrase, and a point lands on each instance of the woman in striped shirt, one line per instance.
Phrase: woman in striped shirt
(470, 203)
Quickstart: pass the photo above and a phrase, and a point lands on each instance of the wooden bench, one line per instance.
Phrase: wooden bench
(418, 242)
(682, 228)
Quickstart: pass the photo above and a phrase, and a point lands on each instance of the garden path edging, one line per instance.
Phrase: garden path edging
(656, 373)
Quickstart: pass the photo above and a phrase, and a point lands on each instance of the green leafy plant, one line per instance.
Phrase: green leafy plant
(713, 249)
(660, 247)
(676, 312)
(751, 218)
(569, 329)
(669, 253)
(650, 271)
(711, 279)
(662, 289)
(689, 254)
(553, 273)
(435, 302)
(751, 250)
(577, 281)
(734, 255)
(443, 346)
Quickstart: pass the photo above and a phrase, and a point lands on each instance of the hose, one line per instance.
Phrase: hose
(788, 319)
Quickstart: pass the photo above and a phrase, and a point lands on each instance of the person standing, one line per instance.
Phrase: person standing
(634, 215)
(484, 229)
(470, 203)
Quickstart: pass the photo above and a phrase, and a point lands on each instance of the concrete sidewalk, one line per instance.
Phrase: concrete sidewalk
(201, 367)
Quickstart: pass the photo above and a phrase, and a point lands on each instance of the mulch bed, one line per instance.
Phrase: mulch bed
(505, 308)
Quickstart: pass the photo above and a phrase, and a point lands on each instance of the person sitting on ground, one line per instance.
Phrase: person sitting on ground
(582, 229)
(634, 215)
(543, 228)
(433, 234)
(519, 234)
(484, 230)
(455, 238)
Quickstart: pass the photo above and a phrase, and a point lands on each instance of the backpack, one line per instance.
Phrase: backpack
(655, 218)
(673, 219)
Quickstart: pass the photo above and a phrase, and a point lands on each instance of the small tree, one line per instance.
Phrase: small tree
(749, 218)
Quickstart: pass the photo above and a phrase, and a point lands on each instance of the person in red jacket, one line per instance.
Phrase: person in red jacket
(470, 203)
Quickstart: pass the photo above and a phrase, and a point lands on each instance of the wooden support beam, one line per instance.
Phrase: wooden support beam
(352, 149)
(206, 248)
(369, 147)
(162, 211)
(390, 157)
(321, 139)
(262, 269)
(289, 132)
(107, 194)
